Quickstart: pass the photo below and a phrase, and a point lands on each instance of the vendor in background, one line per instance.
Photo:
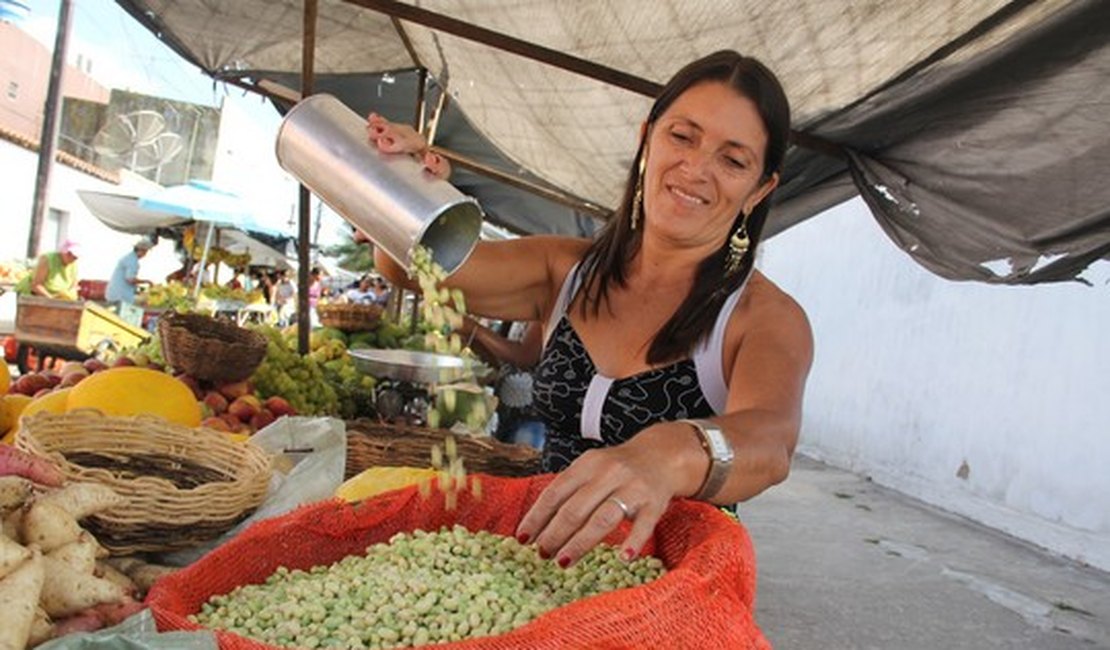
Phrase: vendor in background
(55, 274)
(284, 298)
(673, 367)
(514, 354)
(362, 293)
(125, 277)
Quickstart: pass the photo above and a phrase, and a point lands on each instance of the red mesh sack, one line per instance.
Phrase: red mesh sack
(704, 601)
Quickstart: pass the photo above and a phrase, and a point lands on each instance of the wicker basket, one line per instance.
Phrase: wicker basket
(372, 444)
(210, 348)
(349, 317)
(181, 486)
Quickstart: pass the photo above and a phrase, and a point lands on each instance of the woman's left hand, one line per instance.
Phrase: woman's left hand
(590, 498)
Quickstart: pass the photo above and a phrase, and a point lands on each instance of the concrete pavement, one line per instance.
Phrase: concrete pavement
(847, 565)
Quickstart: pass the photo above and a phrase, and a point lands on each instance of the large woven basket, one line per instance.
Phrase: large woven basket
(181, 486)
(373, 444)
(210, 348)
(349, 317)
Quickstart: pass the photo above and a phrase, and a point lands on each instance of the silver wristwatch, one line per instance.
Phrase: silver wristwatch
(720, 453)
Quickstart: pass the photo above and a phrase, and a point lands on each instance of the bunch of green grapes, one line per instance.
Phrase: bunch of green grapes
(151, 348)
(300, 380)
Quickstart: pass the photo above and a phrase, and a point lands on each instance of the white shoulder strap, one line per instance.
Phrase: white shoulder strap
(566, 294)
(709, 356)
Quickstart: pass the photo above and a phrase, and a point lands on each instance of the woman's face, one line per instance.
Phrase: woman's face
(704, 165)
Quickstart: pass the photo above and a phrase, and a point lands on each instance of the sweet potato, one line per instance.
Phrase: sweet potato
(66, 592)
(14, 462)
(83, 622)
(42, 628)
(140, 571)
(79, 554)
(12, 526)
(83, 499)
(14, 490)
(114, 613)
(48, 526)
(19, 595)
(12, 554)
(112, 574)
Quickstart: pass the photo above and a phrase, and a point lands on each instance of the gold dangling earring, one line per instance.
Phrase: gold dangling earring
(638, 196)
(737, 247)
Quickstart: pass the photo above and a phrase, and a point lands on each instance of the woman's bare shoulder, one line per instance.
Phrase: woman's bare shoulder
(765, 302)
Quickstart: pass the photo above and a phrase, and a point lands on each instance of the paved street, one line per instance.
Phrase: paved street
(845, 564)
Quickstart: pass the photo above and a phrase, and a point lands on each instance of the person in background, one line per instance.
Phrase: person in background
(673, 367)
(362, 293)
(284, 298)
(381, 291)
(514, 355)
(55, 274)
(125, 277)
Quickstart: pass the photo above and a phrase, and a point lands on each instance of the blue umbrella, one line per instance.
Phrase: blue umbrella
(203, 201)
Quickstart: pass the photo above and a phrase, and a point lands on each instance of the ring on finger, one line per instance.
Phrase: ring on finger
(628, 514)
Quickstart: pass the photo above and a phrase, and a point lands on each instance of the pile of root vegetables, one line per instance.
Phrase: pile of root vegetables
(55, 578)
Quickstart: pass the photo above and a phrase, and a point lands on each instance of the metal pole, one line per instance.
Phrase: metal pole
(308, 53)
(48, 140)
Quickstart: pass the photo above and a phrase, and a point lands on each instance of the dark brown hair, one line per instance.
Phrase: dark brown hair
(606, 262)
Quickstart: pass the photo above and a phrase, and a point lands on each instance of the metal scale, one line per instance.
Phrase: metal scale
(407, 379)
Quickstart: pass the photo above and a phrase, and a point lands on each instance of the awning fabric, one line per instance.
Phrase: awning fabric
(975, 130)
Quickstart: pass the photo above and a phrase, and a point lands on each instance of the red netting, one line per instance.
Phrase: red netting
(704, 601)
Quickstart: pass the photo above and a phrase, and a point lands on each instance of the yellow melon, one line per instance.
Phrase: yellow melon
(131, 390)
(13, 406)
(5, 375)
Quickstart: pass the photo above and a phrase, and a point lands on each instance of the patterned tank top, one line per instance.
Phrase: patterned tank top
(584, 409)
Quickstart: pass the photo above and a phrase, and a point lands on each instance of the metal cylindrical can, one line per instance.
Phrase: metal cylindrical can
(390, 197)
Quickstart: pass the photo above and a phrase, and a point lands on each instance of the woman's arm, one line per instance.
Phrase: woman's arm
(667, 460)
(494, 348)
(38, 282)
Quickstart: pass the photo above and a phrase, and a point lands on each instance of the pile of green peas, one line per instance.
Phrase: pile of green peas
(420, 588)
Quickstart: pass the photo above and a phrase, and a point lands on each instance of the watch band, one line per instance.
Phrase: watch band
(720, 453)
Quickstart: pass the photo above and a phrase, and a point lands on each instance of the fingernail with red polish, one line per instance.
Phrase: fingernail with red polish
(564, 561)
(544, 554)
(627, 554)
(523, 538)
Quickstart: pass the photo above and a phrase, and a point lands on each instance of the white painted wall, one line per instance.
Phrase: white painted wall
(915, 375)
(102, 246)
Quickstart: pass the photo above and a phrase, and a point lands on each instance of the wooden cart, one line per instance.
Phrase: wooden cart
(66, 329)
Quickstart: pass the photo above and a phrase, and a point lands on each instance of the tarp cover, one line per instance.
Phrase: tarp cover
(976, 130)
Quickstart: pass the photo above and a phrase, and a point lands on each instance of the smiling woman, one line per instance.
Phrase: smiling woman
(671, 368)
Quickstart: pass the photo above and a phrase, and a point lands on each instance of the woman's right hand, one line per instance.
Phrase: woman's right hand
(392, 137)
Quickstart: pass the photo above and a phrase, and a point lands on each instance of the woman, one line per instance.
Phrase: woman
(55, 274)
(659, 320)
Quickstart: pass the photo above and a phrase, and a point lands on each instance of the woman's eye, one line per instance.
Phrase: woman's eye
(681, 137)
(735, 162)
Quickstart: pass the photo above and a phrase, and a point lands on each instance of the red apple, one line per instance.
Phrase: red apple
(215, 401)
(262, 419)
(42, 391)
(245, 407)
(122, 361)
(193, 385)
(73, 378)
(217, 423)
(235, 390)
(31, 383)
(52, 377)
(94, 365)
(279, 406)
